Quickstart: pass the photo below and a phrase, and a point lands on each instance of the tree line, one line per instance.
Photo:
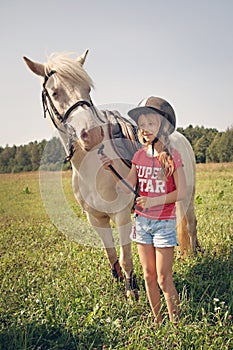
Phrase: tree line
(209, 145)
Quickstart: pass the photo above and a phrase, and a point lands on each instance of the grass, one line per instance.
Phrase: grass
(58, 294)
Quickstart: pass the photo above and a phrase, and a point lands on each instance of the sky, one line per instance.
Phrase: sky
(181, 50)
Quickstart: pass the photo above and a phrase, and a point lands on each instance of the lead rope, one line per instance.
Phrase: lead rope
(101, 151)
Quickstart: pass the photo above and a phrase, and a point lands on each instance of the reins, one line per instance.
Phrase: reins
(101, 151)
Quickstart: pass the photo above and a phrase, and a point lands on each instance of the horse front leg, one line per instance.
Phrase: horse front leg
(131, 285)
(114, 264)
(126, 260)
(103, 228)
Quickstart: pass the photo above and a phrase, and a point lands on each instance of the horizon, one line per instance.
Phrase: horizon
(57, 135)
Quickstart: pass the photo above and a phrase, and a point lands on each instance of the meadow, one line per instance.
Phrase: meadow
(59, 294)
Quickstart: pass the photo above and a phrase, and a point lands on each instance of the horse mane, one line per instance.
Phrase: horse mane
(65, 65)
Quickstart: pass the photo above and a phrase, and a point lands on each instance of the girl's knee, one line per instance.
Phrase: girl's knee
(150, 276)
(165, 282)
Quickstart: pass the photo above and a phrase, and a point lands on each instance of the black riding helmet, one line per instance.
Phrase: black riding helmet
(160, 106)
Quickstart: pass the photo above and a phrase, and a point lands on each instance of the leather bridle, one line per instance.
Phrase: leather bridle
(56, 116)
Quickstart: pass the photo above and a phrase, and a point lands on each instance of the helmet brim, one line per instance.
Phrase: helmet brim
(137, 111)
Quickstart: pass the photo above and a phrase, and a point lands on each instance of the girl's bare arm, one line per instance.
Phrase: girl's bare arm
(178, 194)
(131, 178)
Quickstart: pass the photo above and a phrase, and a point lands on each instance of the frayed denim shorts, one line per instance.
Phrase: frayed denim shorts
(160, 233)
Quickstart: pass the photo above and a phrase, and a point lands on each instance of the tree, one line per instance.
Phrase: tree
(53, 154)
(200, 149)
(22, 160)
(7, 156)
(212, 153)
(226, 146)
(34, 150)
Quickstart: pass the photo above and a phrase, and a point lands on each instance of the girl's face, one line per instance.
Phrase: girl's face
(149, 125)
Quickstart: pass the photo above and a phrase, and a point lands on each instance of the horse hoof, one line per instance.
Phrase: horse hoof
(131, 287)
(132, 295)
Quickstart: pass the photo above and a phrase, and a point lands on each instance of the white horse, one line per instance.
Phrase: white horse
(83, 129)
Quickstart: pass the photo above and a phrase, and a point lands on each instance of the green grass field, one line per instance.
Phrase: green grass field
(57, 294)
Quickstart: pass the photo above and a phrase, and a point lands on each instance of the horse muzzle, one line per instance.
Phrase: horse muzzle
(89, 139)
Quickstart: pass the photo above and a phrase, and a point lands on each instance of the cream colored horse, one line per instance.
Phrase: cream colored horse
(66, 96)
(93, 187)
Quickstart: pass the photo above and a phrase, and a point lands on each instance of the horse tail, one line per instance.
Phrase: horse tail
(183, 237)
(183, 234)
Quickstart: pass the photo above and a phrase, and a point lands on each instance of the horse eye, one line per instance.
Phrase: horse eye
(54, 94)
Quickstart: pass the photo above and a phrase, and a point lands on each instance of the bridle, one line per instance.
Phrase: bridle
(55, 115)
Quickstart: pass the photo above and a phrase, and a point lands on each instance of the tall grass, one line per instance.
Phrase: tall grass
(57, 294)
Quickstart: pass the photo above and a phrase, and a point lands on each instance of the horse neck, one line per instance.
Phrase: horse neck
(78, 156)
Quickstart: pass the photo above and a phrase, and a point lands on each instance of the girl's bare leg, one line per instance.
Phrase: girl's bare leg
(164, 262)
(148, 260)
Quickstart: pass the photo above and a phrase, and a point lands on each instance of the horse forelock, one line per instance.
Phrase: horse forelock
(65, 65)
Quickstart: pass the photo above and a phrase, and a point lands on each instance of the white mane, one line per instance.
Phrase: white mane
(63, 64)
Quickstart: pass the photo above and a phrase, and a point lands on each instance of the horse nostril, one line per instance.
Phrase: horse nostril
(84, 133)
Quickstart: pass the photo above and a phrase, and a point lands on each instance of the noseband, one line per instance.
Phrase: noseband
(54, 114)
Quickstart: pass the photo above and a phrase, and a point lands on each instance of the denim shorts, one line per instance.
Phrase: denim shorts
(160, 233)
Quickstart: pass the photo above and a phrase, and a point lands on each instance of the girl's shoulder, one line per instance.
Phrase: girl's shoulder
(140, 153)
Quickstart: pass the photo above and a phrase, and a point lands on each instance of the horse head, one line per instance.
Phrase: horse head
(66, 98)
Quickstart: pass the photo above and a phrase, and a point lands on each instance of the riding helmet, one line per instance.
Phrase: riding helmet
(159, 105)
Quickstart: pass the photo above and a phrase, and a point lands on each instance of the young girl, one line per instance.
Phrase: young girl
(157, 171)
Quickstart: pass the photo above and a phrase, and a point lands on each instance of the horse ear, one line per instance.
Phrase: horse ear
(82, 58)
(37, 68)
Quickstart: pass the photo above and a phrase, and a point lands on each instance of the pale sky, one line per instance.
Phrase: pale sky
(181, 50)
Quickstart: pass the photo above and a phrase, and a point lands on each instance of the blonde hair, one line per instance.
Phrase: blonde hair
(64, 64)
(166, 162)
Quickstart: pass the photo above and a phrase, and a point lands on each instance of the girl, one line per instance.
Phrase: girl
(158, 174)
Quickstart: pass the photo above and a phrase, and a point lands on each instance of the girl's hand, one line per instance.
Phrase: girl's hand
(106, 161)
(145, 202)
